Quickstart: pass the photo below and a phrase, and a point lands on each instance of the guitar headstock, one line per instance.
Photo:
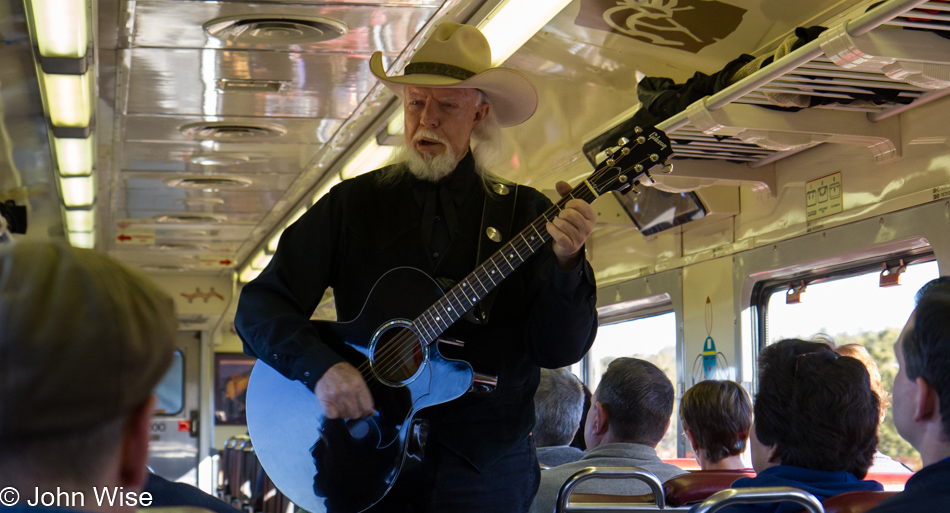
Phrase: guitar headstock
(633, 159)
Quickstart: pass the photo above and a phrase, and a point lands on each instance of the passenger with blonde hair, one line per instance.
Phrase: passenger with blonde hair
(882, 463)
(716, 417)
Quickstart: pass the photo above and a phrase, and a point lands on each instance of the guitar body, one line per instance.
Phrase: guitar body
(347, 465)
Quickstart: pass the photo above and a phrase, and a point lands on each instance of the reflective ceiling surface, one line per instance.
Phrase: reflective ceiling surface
(218, 121)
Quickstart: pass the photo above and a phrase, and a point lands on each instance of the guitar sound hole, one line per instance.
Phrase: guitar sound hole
(397, 355)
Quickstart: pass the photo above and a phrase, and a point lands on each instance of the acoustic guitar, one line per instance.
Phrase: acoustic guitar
(348, 465)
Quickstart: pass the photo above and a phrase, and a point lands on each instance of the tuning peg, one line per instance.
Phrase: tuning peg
(641, 140)
(654, 157)
(637, 130)
(668, 168)
(646, 180)
(625, 151)
(609, 152)
(622, 178)
(638, 168)
(610, 162)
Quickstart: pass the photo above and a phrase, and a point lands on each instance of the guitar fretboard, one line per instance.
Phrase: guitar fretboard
(471, 289)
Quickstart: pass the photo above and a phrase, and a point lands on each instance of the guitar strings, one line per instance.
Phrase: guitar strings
(404, 347)
(401, 350)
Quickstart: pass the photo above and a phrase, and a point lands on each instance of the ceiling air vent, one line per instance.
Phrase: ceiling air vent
(178, 246)
(190, 218)
(165, 268)
(275, 29)
(230, 132)
(208, 182)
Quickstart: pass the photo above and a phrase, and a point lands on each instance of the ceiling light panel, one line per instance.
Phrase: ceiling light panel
(82, 239)
(61, 27)
(78, 191)
(69, 98)
(74, 157)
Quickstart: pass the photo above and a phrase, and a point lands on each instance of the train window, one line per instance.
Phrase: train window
(170, 392)
(855, 309)
(649, 338)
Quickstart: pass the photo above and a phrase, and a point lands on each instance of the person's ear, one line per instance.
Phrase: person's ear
(601, 419)
(692, 440)
(928, 404)
(134, 448)
(481, 112)
(771, 457)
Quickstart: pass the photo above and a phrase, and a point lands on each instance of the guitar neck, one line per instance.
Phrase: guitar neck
(474, 287)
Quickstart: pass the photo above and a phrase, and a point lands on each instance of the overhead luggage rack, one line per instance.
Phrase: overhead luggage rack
(837, 72)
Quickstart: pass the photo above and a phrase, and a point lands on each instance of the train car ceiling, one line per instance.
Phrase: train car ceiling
(216, 124)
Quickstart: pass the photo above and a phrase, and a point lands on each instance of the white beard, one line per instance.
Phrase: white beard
(431, 169)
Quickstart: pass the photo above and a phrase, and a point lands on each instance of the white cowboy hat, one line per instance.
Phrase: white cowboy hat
(459, 56)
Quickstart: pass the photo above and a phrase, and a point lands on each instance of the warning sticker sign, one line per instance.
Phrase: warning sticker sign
(823, 197)
(941, 192)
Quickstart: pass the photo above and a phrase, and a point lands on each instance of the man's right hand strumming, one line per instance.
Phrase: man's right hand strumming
(343, 393)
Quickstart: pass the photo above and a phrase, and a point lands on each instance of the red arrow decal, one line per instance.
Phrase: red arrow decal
(225, 262)
(123, 238)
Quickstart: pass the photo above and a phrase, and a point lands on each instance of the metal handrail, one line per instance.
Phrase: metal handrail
(659, 496)
(733, 496)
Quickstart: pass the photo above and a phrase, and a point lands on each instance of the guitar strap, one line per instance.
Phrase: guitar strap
(498, 215)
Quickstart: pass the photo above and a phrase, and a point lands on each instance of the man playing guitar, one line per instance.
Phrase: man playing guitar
(433, 212)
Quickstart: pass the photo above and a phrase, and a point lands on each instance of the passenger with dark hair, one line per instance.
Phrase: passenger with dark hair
(815, 426)
(922, 400)
(716, 417)
(558, 406)
(629, 414)
(83, 342)
(882, 463)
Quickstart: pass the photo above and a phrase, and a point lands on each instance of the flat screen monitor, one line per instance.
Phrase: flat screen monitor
(653, 210)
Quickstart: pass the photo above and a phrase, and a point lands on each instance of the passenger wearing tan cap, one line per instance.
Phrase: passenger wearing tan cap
(83, 341)
(441, 211)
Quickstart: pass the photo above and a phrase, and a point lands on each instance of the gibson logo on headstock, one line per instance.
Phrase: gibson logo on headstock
(656, 138)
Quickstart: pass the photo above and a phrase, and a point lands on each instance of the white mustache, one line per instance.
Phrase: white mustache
(430, 135)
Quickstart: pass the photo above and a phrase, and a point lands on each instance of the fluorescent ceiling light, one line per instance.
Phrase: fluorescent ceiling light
(370, 156)
(82, 239)
(297, 215)
(61, 27)
(73, 156)
(248, 274)
(512, 23)
(272, 243)
(397, 125)
(69, 98)
(80, 220)
(78, 191)
(260, 261)
(325, 188)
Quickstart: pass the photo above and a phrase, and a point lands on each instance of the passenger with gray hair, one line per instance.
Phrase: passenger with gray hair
(558, 406)
(629, 414)
(83, 341)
